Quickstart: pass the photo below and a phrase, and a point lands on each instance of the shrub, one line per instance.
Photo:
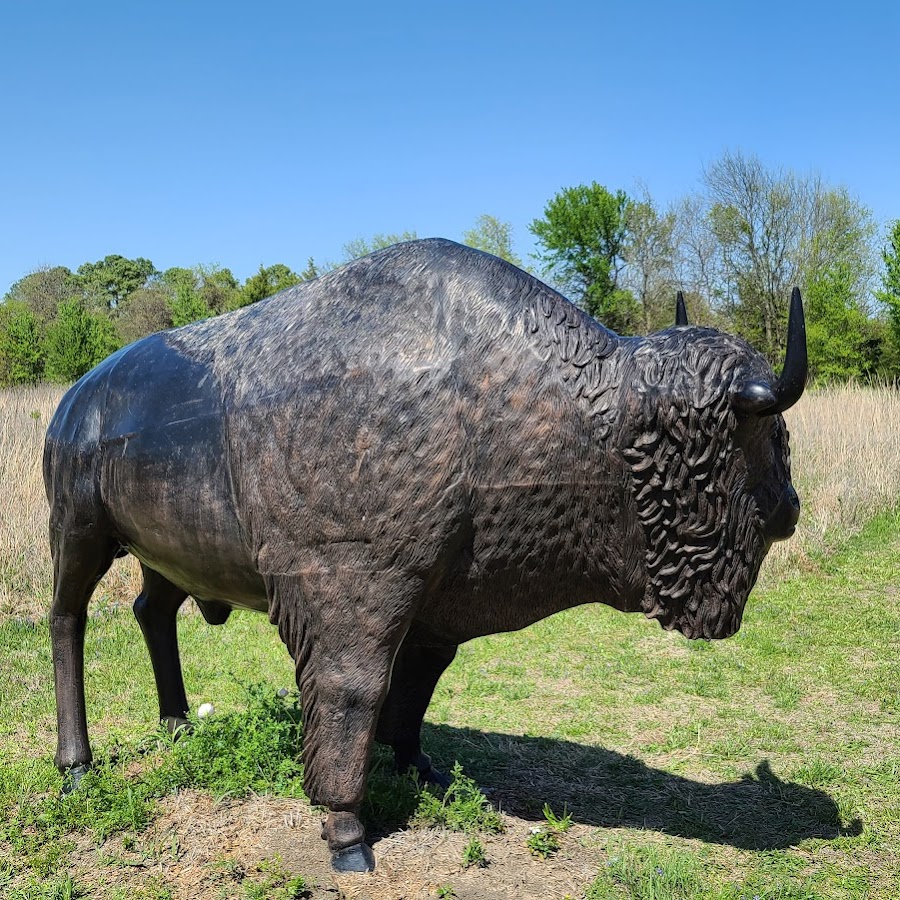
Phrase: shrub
(21, 340)
(76, 341)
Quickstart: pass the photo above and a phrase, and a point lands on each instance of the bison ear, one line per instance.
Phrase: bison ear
(681, 317)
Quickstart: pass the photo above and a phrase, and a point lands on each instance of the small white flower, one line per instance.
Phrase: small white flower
(283, 692)
(206, 709)
(536, 829)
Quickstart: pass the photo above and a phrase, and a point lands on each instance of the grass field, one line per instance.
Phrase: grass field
(764, 766)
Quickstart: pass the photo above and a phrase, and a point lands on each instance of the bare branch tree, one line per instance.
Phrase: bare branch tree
(649, 254)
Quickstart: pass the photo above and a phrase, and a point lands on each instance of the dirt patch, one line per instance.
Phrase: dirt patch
(201, 850)
(414, 864)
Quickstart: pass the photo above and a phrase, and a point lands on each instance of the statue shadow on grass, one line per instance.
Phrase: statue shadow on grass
(601, 787)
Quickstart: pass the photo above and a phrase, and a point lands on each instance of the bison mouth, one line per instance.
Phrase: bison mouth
(782, 522)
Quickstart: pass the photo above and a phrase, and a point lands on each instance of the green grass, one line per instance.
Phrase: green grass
(234, 754)
(767, 765)
(276, 884)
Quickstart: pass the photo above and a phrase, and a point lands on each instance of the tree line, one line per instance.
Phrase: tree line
(735, 248)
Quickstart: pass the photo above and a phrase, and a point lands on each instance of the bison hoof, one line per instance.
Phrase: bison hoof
(433, 776)
(73, 777)
(425, 772)
(355, 858)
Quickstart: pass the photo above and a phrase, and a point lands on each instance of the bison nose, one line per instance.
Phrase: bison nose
(784, 517)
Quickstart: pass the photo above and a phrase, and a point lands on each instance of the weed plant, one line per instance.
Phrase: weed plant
(276, 883)
(391, 797)
(462, 807)
(559, 824)
(256, 750)
(542, 842)
(229, 755)
(473, 854)
(234, 754)
(544, 839)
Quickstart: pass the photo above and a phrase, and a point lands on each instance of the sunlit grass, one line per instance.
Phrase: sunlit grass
(767, 764)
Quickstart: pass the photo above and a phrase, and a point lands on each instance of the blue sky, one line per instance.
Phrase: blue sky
(242, 134)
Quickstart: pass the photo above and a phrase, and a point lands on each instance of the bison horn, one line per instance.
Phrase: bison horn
(793, 376)
(681, 317)
(755, 397)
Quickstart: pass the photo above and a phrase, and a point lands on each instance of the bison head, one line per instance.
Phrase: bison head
(708, 453)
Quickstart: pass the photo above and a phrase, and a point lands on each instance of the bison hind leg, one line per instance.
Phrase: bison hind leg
(81, 557)
(156, 609)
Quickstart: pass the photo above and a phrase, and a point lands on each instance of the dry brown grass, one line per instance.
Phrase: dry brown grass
(25, 569)
(845, 444)
(845, 456)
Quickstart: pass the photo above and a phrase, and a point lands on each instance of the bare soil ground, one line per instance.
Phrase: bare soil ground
(202, 850)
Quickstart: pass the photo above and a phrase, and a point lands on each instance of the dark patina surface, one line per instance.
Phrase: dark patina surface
(422, 447)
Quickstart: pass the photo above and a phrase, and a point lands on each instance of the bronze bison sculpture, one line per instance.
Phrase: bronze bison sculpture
(424, 446)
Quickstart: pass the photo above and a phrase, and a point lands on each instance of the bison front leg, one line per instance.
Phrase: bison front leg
(156, 609)
(419, 665)
(343, 626)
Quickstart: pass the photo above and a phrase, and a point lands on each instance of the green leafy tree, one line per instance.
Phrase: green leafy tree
(883, 350)
(838, 331)
(218, 288)
(108, 282)
(582, 237)
(889, 294)
(311, 272)
(21, 344)
(266, 282)
(179, 276)
(837, 267)
(361, 247)
(76, 341)
(492, 236)
(205, 290)
(147, 311)
(185, 300)
(187, 306)
(44, 289)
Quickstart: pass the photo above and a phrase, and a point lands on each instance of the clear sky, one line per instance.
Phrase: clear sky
(247, 133)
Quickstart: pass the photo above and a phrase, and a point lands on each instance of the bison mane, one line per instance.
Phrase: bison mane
(703, 527)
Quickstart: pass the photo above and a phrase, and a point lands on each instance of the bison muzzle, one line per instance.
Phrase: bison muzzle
(424, 446)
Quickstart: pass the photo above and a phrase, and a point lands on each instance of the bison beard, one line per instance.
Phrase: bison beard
(704, 530)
